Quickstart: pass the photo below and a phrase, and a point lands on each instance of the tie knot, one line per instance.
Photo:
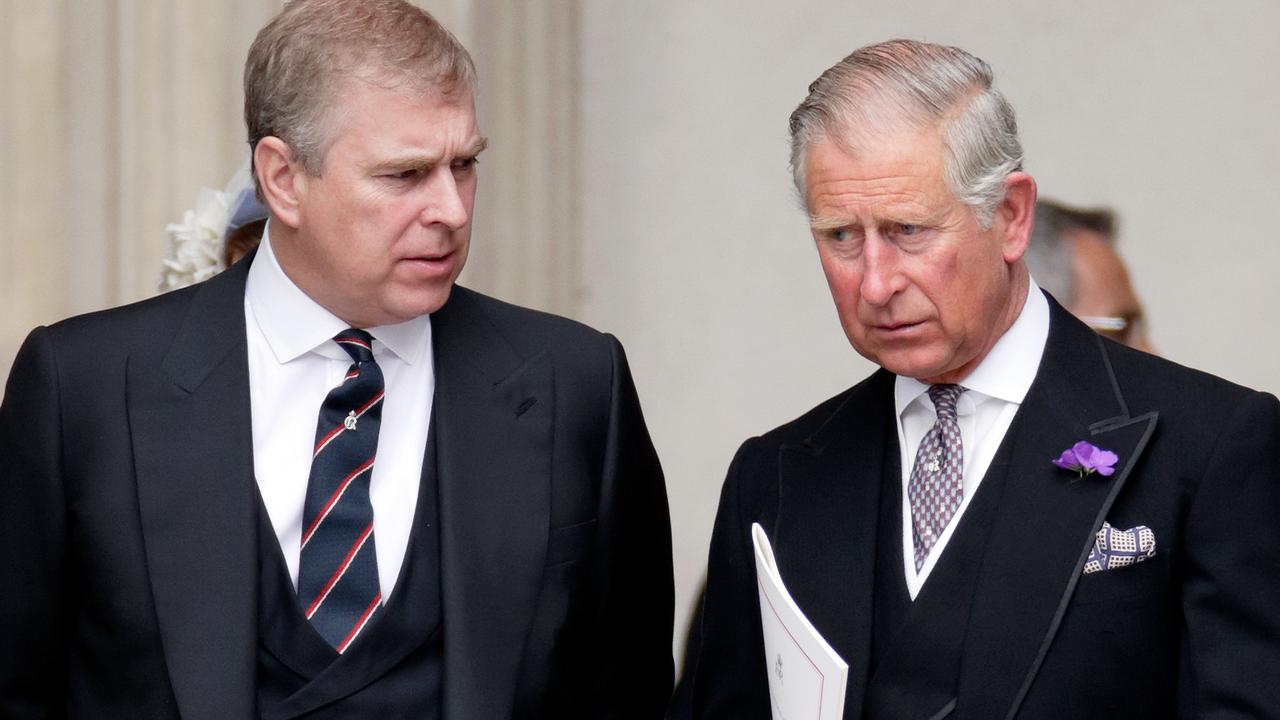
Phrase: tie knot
(357, 343)
(944, 399)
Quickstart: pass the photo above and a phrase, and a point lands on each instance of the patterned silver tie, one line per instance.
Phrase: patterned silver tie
(936, 486)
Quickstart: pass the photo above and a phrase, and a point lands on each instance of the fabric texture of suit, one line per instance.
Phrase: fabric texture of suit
(1192, 632)
(128, 525)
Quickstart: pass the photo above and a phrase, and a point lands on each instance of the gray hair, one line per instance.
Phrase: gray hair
(928, 86)
(299, 60)
(1049, 250)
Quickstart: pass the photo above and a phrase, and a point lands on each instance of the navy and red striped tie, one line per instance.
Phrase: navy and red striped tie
(338, 585)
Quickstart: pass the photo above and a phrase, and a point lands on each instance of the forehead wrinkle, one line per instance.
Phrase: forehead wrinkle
(883, 152)
(870, 178)
(878, 199)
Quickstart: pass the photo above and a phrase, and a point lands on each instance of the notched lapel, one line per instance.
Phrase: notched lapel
(825, 533)
(193, 455)
(1047, 517)
(494, 415)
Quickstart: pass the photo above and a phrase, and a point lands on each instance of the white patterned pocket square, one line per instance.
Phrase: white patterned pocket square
(1119, 548)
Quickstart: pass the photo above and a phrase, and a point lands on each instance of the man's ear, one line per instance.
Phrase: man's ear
(282, 179)
(1015, 214)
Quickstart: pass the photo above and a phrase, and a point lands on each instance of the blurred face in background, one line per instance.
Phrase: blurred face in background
(1104, 295)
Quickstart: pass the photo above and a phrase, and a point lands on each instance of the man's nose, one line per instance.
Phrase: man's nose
(881, 277)
(445, 204)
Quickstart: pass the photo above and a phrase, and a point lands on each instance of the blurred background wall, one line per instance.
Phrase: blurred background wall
(637, 175)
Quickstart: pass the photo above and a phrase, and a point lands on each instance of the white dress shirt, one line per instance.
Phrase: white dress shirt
(293, 364)
(994, 391)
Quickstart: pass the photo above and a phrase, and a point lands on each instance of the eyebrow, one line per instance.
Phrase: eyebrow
(823, 224)
(820, 223)
(417, 160)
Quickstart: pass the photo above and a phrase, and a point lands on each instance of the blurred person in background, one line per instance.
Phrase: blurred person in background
(1072, 255)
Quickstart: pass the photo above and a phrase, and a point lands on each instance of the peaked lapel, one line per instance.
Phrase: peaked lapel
(190, 419)
(494, 414)
(825, 533)
(1047, 519)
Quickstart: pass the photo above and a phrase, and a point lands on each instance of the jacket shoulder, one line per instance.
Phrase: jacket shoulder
(867, 396)
(150, 324)
(531, 332)
(1176, 391)
(149, 321)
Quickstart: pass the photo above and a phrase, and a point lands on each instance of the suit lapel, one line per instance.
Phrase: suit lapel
(494, 418)
(824, 538)
(1047, 519)
(193, 454)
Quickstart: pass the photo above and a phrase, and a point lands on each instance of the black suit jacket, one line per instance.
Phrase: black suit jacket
(1191, 632)
(127, 517)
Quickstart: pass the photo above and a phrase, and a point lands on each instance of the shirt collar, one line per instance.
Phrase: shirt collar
(293, 324)
(1008, 370)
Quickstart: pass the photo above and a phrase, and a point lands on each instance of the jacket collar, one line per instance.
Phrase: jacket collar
(1048, 517)
(494, 414)
(825, 532)
(188, 410)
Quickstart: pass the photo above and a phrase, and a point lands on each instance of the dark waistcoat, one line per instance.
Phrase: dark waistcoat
(916, 646)
(395, 669)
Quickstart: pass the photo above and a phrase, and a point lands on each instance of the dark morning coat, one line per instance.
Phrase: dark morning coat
(1192, 632)
(128, 527)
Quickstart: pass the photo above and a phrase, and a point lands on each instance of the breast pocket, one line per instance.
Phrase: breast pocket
(1131, 581)
(571, 543)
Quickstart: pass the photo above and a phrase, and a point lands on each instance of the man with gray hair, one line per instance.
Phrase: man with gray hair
(192, 521)
(1013, 516)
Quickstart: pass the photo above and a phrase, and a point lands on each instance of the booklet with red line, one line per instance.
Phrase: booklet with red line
(806, 677)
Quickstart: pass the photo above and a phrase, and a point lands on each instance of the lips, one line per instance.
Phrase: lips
(433, 264)
(895, 327)
(898, 331)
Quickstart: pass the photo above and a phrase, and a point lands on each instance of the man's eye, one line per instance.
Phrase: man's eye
(908, 230)
(402, 175)
(841, 235)
(464, 164)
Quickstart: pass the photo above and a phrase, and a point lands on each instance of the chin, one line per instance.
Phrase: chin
(910, 367)
(426, 303)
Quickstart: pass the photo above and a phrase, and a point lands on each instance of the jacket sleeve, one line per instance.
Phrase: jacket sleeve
(1231, 585)
(725, 669)
(33, 538)
(636, 597)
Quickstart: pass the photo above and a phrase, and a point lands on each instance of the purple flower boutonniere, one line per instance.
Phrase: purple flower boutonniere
(1087, 459)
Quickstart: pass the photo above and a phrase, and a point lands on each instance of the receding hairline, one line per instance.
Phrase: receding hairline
(300, 62)
(881, 111)
(877, 122)
(901, 82)
(334, 112)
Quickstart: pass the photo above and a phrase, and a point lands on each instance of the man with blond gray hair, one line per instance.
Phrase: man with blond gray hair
(330, 483)
(1013, 517)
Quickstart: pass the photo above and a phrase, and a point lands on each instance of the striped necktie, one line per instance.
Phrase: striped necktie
(338, 570)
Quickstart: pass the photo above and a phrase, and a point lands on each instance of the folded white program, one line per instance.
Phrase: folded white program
(806, 676)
